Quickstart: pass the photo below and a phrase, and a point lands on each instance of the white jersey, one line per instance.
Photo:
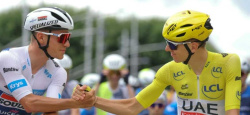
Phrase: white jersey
(17, 80)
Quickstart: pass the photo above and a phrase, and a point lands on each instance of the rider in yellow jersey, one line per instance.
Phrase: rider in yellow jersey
(206, 83)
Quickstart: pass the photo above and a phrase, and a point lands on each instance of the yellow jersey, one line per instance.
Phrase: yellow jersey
(216, 90)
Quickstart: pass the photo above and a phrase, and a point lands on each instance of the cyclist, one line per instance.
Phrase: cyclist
(27, 72)
(245, 93)
(205, 82)
(146, 76)
(114, 68)
(90, 79)
(157, 108)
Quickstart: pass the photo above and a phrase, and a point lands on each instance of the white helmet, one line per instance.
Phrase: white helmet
(133, 81)
(49, 17)
(146, 76)
(245, 65)
(90, 79)
(114, 62)
(66, 62)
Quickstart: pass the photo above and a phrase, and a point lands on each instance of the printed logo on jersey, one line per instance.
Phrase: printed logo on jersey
(196, 107)
(185, 94)
(191, 113)
(42, 18)
(9, 112)
(9, 69)
(237, 78)
(179, 75)
(238, 95)
(17, 84)
(185, 86)
(46, 72)
(209, 90)
(171, 28)
(9, 101)
(24, 67)
(38, 92)
(59, 96)
(43, 24)
(207, 64)
(216, 72)
(28, 62)
(224, 54)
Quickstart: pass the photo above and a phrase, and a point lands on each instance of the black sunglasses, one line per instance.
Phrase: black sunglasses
(160, 105)
(173, 45)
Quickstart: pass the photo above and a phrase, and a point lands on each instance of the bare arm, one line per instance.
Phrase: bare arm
(35, 103)
(233, 112)
(121, 107)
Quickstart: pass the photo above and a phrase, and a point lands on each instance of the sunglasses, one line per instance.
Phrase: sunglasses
(112, 72)
(61, 38)
(160, 105)
(173, 45)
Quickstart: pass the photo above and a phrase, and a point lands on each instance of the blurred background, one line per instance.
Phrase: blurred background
(131, 28)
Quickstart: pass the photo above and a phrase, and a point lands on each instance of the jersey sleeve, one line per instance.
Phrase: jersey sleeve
(57, 85)
(233, 83)
(11, 70)
(150, 94)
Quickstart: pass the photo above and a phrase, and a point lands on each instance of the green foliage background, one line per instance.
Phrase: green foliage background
(149, 32)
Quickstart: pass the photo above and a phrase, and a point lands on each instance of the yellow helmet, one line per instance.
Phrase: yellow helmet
(186, 25)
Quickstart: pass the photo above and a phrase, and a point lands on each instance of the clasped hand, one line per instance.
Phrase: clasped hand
(84, 98)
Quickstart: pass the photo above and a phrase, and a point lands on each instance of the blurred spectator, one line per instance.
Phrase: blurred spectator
(66, 63)
(157, 108)
(91, 80)
(114, 68)
(245, 89)
(145, 76)
(171, 108)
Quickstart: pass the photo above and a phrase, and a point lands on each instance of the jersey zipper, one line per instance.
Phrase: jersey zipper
(198, 87)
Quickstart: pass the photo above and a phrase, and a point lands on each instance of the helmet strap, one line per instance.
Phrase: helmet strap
(189, 54)
(44, 48)
(202, 42)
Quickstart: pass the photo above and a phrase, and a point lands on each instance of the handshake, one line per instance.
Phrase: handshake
(84, 96)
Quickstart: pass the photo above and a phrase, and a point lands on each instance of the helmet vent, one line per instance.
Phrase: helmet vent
(187, 25)
(63, 12)
(180, 35)
(57, 17)
(57, 26)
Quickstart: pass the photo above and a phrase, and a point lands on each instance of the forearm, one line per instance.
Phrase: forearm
(120, 107)
(50, 113)
(233, 112)
(33, 103)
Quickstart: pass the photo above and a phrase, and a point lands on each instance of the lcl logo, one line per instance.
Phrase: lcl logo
(178, 74)
(216, 72)
(209, 91)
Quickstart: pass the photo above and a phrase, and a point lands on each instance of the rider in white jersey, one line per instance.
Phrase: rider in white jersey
(17, 80)
(27, 72)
